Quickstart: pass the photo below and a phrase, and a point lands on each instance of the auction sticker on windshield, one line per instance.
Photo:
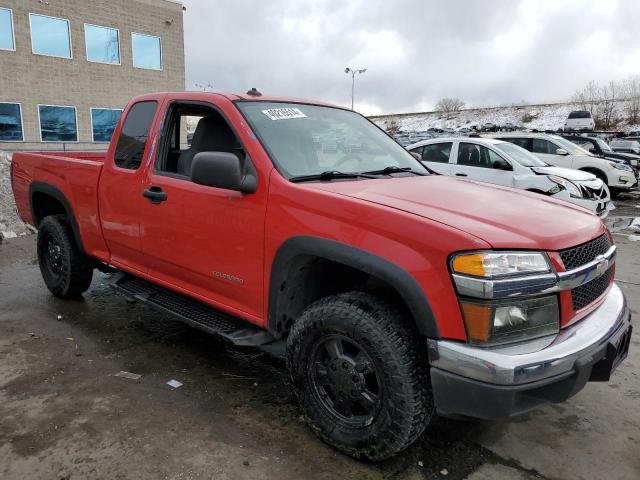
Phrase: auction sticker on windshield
(283, 113)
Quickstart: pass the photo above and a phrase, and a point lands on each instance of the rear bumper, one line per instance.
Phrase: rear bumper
(504, 382)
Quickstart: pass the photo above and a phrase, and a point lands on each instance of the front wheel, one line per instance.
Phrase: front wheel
(360, 375)
(66, 272)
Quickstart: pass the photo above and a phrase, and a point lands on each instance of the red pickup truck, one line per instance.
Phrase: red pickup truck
(301, 227)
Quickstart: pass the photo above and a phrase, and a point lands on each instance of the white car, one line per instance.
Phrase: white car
(580, 120)
(555, 150)
(496, 161)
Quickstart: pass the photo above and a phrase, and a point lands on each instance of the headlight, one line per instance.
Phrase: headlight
(572, 188)
(621, 166)
(497, 264)
(498, 323)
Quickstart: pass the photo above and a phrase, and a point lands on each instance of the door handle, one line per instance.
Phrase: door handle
(155, 194)
(461, 175)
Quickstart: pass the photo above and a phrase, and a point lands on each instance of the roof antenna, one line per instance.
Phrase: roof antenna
(254, 92)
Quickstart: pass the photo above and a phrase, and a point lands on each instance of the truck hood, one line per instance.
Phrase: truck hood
(501, 216)
(568, 173)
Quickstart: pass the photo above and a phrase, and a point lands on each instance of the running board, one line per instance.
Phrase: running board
(195, 313)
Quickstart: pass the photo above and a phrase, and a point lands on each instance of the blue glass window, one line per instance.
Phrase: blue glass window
(103, 122)
(6, 30)
(58, 124)
(10, 123)
(147, 51)
(50, 36)
(103, 44)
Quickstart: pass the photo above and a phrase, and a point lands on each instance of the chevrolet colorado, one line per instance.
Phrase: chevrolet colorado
(393, 292)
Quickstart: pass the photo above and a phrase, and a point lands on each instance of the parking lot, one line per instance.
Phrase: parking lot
(65, 415)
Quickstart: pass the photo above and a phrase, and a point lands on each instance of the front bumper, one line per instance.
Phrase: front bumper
(494, 383)
(623, 180)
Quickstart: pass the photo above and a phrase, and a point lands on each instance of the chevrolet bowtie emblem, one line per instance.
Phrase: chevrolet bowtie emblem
(602, 265)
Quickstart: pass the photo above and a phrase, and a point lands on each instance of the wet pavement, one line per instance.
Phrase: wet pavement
(65, 415)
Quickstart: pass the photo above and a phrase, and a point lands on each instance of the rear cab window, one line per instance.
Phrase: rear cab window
(134, 134)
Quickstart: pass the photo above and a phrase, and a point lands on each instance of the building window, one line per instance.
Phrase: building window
(103, 122)
(11, 123)
(147, 51)
(58, 124)
(7, 37)
(103, 44)
(50, 36)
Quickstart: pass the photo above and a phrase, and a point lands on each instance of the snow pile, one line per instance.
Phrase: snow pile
(10, 224)
(540, 117)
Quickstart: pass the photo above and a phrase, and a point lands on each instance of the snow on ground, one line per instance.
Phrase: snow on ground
(10, 224)
(540, 117)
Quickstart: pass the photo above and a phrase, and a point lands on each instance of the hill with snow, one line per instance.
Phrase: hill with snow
(541, 117)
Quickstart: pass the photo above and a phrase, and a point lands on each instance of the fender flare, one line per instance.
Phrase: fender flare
(406, 286)
(53, 191)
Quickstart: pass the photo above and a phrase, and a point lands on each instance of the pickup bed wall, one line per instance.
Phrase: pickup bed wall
(71, 178)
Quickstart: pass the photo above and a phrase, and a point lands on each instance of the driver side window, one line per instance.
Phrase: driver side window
(191, 128)
(473, 155)
(437, 152)
(541, 145)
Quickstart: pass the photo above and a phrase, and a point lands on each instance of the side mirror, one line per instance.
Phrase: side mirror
(502, 165)
(223, 170)
(416, 155)
(593, 150)
(561, 151)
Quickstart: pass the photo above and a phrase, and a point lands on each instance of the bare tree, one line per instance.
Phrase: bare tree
(606, 109)
(449, 105)
(631, 90)
(588, 97)
(392, 127)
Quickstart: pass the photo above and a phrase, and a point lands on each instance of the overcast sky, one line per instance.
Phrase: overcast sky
(486, 52)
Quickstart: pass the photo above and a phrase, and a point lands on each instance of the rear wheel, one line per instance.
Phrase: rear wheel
(360, 375)
(66, 272)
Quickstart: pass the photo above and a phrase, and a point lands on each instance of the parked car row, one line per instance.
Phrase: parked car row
(500, 162)
(558, 151)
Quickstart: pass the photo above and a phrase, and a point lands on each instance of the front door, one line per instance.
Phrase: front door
(204, 241)
(480, 163)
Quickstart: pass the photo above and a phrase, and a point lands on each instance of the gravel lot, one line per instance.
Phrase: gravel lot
(65, 415)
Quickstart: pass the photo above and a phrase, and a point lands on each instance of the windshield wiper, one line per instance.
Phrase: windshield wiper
(393, 169)
(329, 175)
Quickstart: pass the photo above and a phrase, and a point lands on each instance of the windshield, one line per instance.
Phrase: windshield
(570, 147)
(520, 155)
(309, 140)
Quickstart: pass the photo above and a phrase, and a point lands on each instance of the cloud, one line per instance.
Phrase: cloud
(415, 51)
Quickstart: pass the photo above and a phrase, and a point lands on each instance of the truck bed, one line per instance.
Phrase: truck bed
(75, 175)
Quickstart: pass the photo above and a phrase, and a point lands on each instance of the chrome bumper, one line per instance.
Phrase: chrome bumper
(541, 358)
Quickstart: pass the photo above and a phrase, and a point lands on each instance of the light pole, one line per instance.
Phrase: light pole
(353, 73)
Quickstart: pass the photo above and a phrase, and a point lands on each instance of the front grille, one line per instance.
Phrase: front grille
(590, 291)
(593, 193)
(577, 256)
